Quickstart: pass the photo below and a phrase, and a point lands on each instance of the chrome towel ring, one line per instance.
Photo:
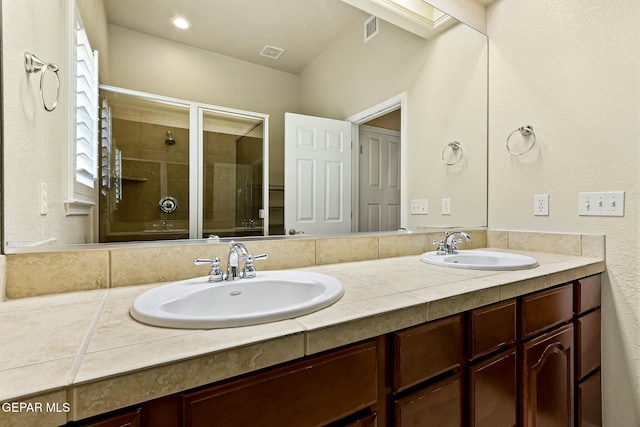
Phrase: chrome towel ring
(526, 132)
(33, 64)
(453, 147)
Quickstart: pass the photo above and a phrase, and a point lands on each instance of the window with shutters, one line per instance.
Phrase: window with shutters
(85, 153)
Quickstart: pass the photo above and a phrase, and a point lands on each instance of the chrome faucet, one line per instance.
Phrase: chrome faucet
(237, 253)
(450, 242)
(449, 245)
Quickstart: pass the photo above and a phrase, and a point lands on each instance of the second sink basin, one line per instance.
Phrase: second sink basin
(271, 296)
(481, 260)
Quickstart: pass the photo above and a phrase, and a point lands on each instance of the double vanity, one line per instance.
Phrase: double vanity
(401, 340)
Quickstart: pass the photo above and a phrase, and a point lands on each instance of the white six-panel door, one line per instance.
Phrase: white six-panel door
(317, 175)
(379, 177)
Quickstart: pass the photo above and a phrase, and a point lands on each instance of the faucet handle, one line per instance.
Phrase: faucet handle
(249, 271)
(215, 274)
(441, 249)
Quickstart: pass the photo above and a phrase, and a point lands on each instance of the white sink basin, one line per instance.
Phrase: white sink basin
(481, 260)
(271, 296)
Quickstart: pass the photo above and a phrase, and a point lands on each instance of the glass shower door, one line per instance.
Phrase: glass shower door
(144, 191)
(233, 170)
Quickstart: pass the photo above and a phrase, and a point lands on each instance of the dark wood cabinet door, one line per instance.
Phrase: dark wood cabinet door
(547, 380)
(493, 391)
(439, 405)
(312, 392)
(590, 402)
(128, 419)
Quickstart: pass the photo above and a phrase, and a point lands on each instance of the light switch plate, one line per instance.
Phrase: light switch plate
(44, 198)
(610, 203)
(446, 207)
(419, 207)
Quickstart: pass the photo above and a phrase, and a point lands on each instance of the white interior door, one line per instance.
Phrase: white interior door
(379, 178)
(317, 174)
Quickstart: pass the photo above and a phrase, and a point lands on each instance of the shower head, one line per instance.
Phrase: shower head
(169, 140)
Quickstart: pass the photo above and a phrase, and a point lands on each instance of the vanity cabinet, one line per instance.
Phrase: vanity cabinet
(547, 379)
(427, 382)
(529, 361)
(311, 392)
(128, 419)
(437, 405)
(588, 350)
(492, 365)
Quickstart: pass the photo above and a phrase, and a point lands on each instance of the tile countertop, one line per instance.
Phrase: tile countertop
(84, 351)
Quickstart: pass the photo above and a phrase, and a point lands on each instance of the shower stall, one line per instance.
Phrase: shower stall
(173, 169)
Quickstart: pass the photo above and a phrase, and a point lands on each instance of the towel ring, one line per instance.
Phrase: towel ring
(525, 131)
(33, 64)
(454, 146)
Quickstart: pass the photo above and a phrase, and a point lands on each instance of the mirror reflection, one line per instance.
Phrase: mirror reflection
(329, 68)
(147, 147)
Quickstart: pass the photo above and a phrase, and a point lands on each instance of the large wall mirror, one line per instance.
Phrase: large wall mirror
(412, 86)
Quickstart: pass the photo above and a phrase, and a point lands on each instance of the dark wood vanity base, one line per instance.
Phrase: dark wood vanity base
(528, 361)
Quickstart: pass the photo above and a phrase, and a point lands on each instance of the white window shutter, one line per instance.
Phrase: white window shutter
(86, 77)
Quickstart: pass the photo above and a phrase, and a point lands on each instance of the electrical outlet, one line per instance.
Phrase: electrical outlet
(446, 206)
(420, 207)
(601, 204)
(541, 205)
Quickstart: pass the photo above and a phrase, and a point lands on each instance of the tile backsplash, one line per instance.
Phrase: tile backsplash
(33, 274)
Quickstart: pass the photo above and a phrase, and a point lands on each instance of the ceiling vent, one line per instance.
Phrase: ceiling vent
(272, 52)
(370, 28)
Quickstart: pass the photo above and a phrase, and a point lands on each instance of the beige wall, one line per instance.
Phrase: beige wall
(571, 69)
(150, 64)
(34, 139)
(445, 81)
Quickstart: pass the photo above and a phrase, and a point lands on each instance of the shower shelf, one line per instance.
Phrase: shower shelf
(127, 178)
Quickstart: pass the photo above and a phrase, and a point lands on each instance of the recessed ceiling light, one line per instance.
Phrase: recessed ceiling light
(180, 22)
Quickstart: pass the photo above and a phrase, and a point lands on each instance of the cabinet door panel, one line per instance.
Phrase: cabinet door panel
(366, 421)
(129, 419)
(588, 342)
(311, 392)
(422, 352)
(590, 402)
(493, 391)
(439, 405)
(547, 380)
(492, 327)
(587, 293)
(546, 309)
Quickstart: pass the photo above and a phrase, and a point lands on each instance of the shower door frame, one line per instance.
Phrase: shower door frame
(196, 153)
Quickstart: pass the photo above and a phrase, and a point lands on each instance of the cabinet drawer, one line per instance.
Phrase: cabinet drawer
(370, 420)
(587, 293)
(546, 309)
(493, 391)
(128, 419)
(492, 327)
(437, 405)
(311, 392)
(588, 343)
(422, 352)
(590, 402)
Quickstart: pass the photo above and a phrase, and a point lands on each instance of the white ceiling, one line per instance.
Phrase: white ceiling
(241, 28)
